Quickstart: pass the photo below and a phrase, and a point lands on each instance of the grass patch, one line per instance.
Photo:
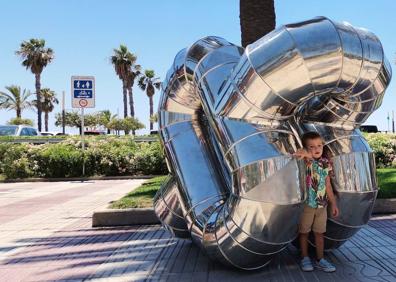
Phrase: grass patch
(386, 182)
(142, 197)
(2, 177)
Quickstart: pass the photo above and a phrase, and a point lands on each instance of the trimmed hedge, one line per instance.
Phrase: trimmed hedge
(110, 157)
(384, 147)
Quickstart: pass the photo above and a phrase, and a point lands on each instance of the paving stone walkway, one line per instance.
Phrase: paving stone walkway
(46, 235)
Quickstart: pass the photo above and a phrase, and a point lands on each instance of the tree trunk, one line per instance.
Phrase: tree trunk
(131, 104)
(46, 120)
(18, 112)
(151, 112)
(38, 97)
(124, 96)
(257, 18)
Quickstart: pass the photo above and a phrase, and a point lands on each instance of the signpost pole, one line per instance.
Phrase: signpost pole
(388, 123)
(63, 112)
(82, 140)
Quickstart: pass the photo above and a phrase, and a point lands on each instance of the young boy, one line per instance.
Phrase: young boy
(320, 193)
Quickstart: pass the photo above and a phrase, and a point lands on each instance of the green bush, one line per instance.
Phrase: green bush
(384, 147)
(149, 159)
(59, 160)
(3, 148)
(15, 162)
(110, 156)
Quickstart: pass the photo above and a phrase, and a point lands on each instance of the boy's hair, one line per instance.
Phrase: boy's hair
(309, 136)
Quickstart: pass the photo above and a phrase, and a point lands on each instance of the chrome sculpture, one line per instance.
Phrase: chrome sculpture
(230, 119)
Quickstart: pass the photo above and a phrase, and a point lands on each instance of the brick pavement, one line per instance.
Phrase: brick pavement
(46, 235)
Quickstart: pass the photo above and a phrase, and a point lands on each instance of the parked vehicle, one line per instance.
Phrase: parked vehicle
(18, 130)
(49, 133)
(94, 132)
(369, 128)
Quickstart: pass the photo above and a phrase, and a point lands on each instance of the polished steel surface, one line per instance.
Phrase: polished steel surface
(231, 118)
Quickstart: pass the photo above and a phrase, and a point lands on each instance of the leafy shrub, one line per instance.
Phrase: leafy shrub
(3, 148)
(384, 147)
(149, 159)
(18, 121)
(111, 156)
(60, 160)
(15, 162)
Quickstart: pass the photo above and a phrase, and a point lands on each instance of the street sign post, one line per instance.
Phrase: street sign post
(83, 96)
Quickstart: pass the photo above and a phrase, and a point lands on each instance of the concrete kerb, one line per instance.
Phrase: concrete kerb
(147, 216)
(122, 217)
(384, 206)
(78, 178)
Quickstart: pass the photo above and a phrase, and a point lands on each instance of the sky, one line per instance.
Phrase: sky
(83, 34)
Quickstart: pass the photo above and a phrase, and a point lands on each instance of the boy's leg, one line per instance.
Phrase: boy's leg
(319, 227)
(305, 263)
(304, 229)
(304, 244)
(319, 242)
(322, 263)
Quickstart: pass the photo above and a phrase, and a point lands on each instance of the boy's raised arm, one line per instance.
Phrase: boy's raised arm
(302, 154)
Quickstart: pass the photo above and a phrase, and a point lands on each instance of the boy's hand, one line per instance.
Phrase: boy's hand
(302, 154)
(335, 211)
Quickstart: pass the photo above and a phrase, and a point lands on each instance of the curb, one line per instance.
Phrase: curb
(384, 206)
(122, 217)
(147, 216)
(78, 178)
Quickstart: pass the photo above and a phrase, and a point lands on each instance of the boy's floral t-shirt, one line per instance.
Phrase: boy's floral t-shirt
(317, 171)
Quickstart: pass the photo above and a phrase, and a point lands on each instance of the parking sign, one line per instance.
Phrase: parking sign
(83, 91)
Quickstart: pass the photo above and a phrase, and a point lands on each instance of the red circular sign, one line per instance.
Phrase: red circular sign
(83, 103)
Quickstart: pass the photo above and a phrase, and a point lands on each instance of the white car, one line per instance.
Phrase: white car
(18, 130)
(51, 133)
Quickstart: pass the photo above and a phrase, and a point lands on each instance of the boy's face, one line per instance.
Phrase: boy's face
(315, 147)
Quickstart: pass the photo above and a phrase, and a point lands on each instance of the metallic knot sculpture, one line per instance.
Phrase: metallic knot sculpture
(230, 119)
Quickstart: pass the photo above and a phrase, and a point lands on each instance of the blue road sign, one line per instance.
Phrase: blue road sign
(83, 91)
(83, 84)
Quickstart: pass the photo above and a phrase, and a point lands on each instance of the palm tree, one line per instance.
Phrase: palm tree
(148, 83)
(48, 101)
(257, 18)
(133, 75)
(105, 117)
(36, 57)
(15, 100)
(122, 61)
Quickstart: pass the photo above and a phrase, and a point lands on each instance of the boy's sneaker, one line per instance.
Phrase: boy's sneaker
(306, 264)
(325, 265)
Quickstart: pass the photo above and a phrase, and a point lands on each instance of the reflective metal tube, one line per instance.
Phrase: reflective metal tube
(230, 118)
